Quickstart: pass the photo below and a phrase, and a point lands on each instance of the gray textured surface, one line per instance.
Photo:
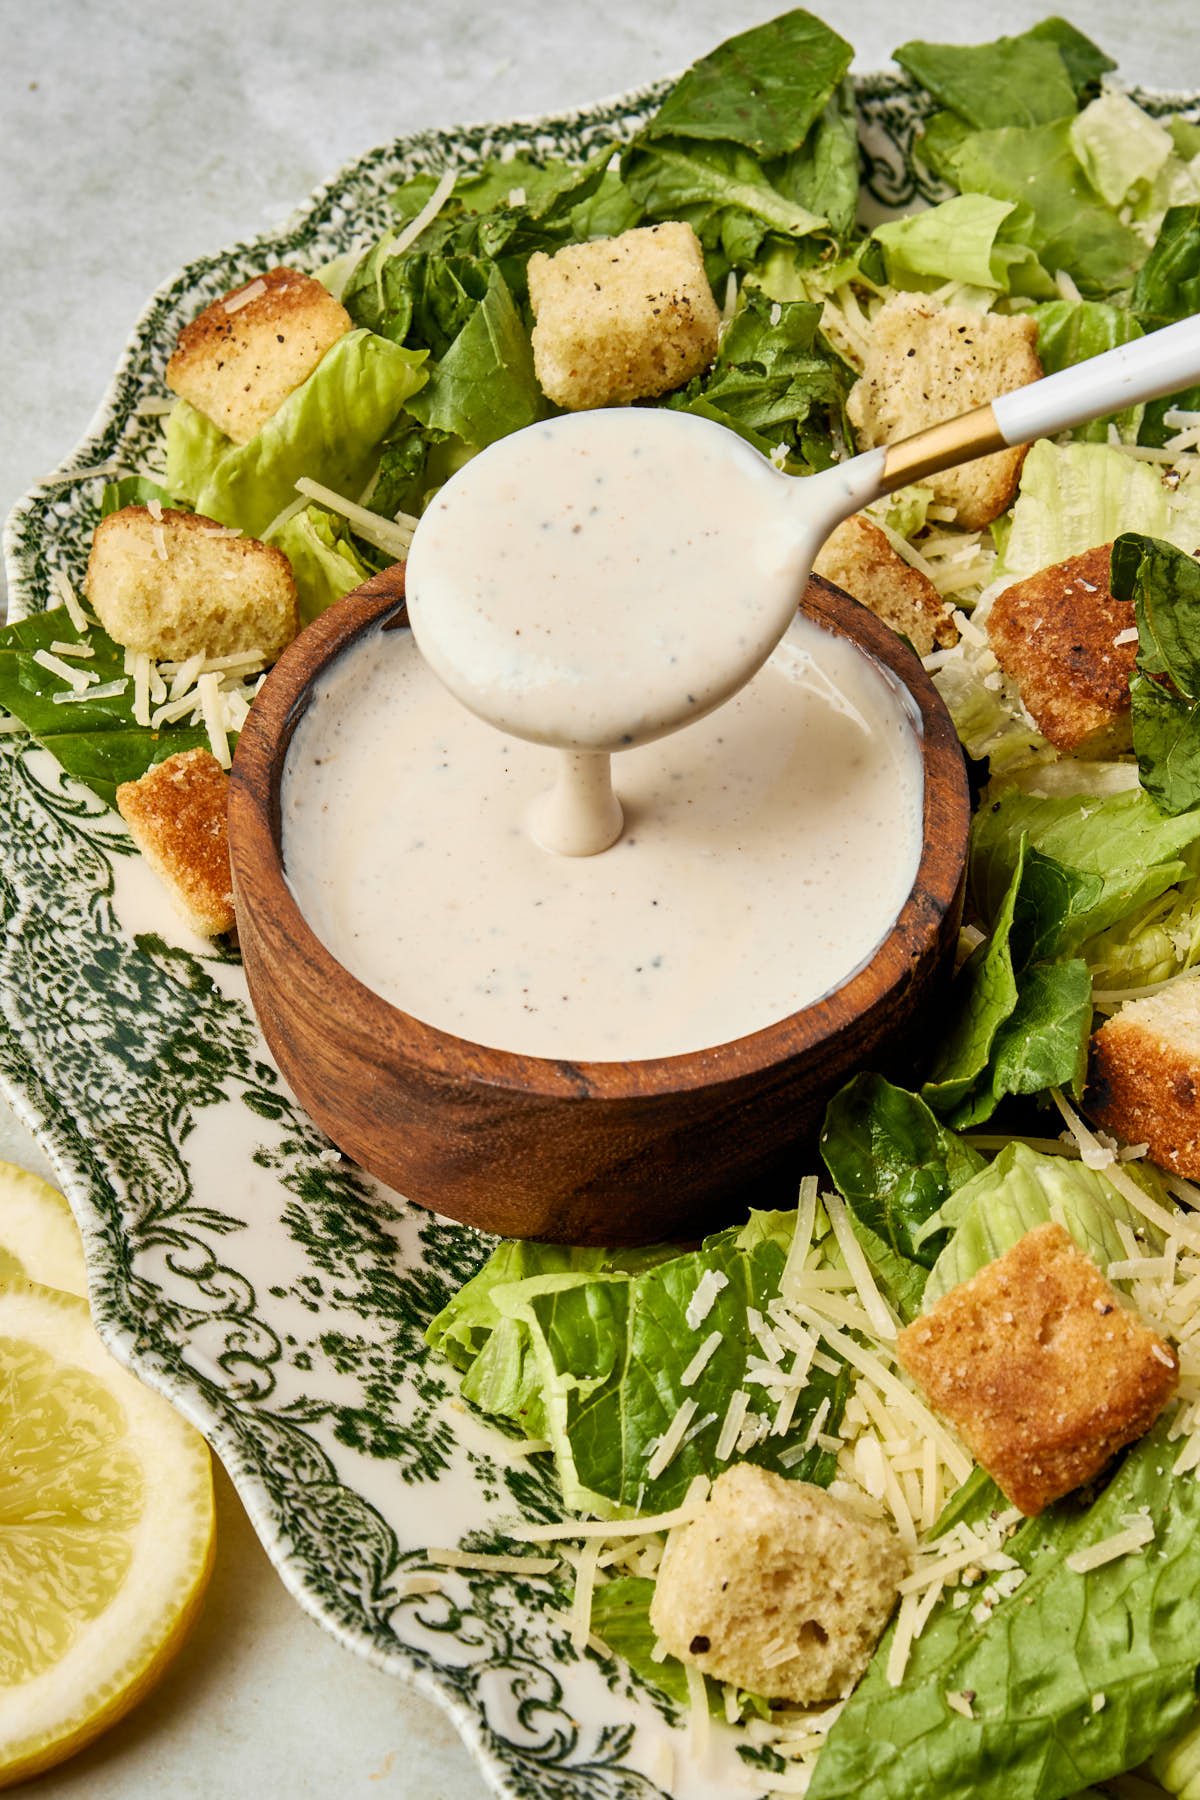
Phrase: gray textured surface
(133, 139)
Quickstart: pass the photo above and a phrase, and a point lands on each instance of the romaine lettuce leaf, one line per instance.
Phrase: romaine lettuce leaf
(330, 429)
(591, 1357)
(774, 380)
(484, 386)
(970, 238)
(1069, 227)
(1122, 839)
(325, 562)
(1075, 496)
(720, 189)
(132, 490)
(1168, 288)
(894, 1163)
(1020, 1190)
(1164, 585)
(1013, 81)
(984, 995)
(97, 741)
(1118, 145)
(1127, 1631)
(762, 89)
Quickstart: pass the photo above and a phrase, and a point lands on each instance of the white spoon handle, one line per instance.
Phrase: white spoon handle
(1159, 364)
(1143, 370)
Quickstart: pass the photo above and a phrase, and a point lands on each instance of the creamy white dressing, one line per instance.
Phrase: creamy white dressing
(605, 577)
(767, 851)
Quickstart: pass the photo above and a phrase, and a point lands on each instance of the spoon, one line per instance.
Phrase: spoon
(603, 578)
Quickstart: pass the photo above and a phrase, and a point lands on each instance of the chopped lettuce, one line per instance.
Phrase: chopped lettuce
(484, 387)
(1168, 288)
(97, 741)
(1019, 1023)
(894, 1163)
(329, 428)
(1075, 496)
(1021, 1190)
(1069, 226)
(325, 561)
(1013, 81)
(754, 144)
(132, 490)
(1123, 840)
(970, 238)
(1119, 146)
(1034, 1667)
(572, 1346)
(774, 381)
(1164, 585)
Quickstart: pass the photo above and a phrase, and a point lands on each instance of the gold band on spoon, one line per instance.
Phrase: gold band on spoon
(941, 447)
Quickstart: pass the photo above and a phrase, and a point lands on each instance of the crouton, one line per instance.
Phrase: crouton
(858, 558)
(1071, 649)
(774, 1566)
(622, 318)
(1144, 1079)
(1041, 1367)
(238, 362)
(176, 817)
(928, 363)
(176, 584)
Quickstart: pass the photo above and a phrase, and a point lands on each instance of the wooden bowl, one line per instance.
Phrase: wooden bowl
(585, 1153)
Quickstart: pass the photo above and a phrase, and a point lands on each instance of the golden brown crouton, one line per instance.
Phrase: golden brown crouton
(1144, 1081)
(238, 362)
(1066, 643)
(859, 559)
(928, 363)
(177, 583)
(622, 318)
(176, 817)
(776, 1587)
(1040, 1366)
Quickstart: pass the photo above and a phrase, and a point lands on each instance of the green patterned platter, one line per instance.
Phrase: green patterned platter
(236, 1261)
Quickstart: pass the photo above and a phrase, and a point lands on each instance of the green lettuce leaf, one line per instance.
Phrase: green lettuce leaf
(621, 1617)
(330, 429)
(325, 562)
(971, 238)
(774, 381)
(1086, 64)
(1013, 81)
(132, 490)
(484, 386)
(591, 1357)
(720, 189)
(1069, 227)
(822, 173)
(1123, 840)
(762, 89)
(1126, 1630)
(985, 994)
(1164, 585)
(894, 1163)
(1020, 1190)
(97, 741)
(1075, 496)
(1119, 146)
(1168, 288)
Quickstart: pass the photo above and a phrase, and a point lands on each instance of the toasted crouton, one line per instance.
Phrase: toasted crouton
(622, 318)
(1144, 1079)
(176, 817)
(176, 584)
(928, 363)
(772, 1564)
(1041, 1367)
(1071, 649)
(241, 358)
(858, 558)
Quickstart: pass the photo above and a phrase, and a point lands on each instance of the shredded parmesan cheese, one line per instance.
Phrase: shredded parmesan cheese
(701, 1360)
(501, 1565)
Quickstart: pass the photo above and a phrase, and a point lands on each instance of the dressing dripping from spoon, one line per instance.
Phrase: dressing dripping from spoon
(604, 578)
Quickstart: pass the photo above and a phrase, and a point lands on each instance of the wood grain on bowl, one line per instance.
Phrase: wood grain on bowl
(613, 1152)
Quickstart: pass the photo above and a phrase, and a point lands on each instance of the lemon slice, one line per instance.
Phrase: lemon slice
(106, 1530)
(39, 1239)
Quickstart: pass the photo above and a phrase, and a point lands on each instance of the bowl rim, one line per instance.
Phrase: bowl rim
(255, 841)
